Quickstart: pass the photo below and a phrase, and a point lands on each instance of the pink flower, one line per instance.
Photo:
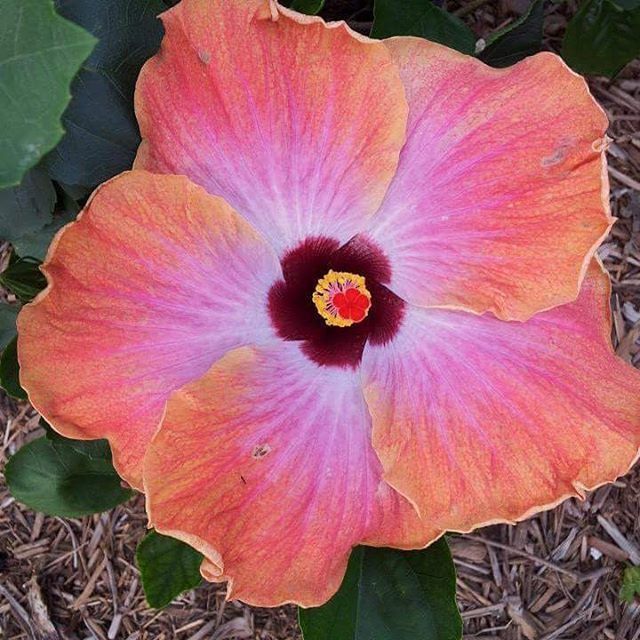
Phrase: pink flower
(336, 302)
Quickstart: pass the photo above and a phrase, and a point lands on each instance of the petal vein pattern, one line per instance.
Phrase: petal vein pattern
(265, 465)
(296, 123)
(153, 283)
(501, 194)
(477, 420)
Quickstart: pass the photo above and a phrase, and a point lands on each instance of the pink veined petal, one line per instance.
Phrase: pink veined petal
(478, 420)
(296, 123)
(500, 197)
(265, 465)
(154, 282)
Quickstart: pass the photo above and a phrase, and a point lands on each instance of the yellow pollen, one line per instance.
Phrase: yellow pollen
(342, 298)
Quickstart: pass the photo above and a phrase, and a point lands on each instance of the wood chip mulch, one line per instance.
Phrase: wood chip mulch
(553, 577)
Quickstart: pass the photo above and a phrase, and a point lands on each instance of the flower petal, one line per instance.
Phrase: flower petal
(154, 282)
(296, 123)
(478, 420)
(265, 465)
(500, 198)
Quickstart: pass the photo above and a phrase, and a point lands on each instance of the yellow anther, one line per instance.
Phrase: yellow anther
(342, 298)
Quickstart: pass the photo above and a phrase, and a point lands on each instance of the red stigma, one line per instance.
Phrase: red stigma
(352, 305)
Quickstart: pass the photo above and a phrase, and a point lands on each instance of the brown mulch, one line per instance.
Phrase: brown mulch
(553, 577)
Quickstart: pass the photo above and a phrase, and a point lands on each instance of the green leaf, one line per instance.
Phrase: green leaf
(389, 594)
(421, 18)
(167, 567)
(60, 479)
(74, 192)
(35, 244)
(10, 371)
(23, 278)
(8, 315)
(94, 449)
(101, 129)
(627, 4)
(310, 7)
(630, 584)
(602, 38)
(26, 208)
(520, 39)
(40, 52)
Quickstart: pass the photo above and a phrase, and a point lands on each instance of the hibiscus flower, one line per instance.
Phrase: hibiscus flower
(348, 295)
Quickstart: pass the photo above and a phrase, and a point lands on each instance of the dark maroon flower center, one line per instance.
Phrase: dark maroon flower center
(295, 316)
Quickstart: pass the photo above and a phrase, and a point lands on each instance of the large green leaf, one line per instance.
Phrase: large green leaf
(627, 4)
(518, 40)
(95, 449)
(23, 278)
(26, 208)
(310, 7)
(8, 315)
(61, 478)
(391, 595)
(602, 37)
(10, 371)
(101, 130)
(40, 52)
(168, 567)
(421, 18)
(35, 244)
